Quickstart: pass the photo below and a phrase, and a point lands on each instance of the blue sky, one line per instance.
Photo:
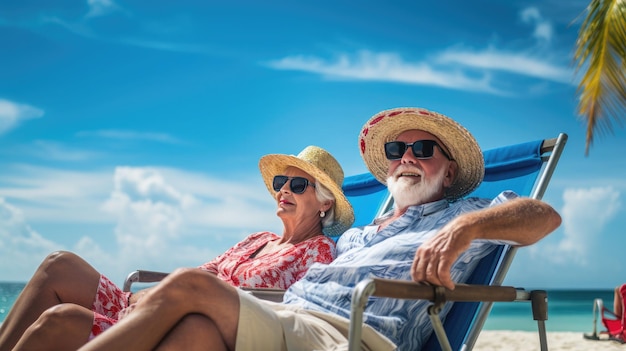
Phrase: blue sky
(130, 132)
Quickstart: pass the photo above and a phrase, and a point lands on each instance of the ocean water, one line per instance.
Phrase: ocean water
(8, 295)
(568, 310)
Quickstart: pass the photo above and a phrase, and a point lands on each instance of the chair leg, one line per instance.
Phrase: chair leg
(362, 291)
(598, 306)
(539, 301)
(440, 332)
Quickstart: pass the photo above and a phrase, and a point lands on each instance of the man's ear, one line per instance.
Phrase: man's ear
(450, 175)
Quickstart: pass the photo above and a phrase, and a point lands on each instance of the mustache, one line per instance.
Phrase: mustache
(407, 169)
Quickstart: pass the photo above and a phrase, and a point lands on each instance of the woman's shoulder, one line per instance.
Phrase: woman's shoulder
(319, 248)
(259, 235)
(322, 240)
(317, 243)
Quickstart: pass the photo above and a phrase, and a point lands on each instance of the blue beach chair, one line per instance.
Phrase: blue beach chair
(524, 168)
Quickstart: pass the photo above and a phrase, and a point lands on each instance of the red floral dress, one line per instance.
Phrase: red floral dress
(277, 269)
(236, 266)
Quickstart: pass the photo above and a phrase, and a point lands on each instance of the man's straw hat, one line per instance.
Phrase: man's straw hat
(322, 166)
(460, 144)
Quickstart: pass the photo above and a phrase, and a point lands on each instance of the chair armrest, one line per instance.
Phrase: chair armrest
(143, 276)
(403, 289)
(275, 295)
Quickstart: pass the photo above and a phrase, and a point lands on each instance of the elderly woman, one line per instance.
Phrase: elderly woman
(67, 302)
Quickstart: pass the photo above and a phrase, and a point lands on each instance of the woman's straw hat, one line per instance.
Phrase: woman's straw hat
(322, 166)
(461, 145)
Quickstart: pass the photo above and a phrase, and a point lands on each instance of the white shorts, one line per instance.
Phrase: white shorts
(265, 325)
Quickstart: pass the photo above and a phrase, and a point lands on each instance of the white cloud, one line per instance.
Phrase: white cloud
(453, 68)
(543, 28)
(130, 135)
(586, 212)
(12, 114)
(170, 46)
(226, 203)
(51, 150)
(141, 184)
(56, 195)
(148, 211)
(385, 67)
(544, 31)
(160, 213)
(99, 8)
(510, 62)
(21, 248)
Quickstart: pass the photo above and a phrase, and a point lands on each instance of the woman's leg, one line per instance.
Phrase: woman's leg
(622, 294)
(186, 291)
(61, 327)
(617, 302)
(194, 332)
(62, 277)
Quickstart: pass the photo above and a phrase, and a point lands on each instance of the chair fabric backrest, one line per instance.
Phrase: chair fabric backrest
(513, 167)
(366, 194)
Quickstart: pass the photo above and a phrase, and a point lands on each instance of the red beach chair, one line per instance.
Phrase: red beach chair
(613, 323)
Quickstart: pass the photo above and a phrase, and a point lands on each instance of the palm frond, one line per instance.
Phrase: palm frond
(601, 54)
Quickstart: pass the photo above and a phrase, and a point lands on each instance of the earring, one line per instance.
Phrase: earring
(322, 214)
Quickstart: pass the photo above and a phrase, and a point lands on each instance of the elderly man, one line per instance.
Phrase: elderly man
(433, 234)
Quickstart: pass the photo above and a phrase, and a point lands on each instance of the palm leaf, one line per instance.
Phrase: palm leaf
(601, 54)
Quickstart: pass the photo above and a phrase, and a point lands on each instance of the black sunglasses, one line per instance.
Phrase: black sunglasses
(394, 150)
(297, 185)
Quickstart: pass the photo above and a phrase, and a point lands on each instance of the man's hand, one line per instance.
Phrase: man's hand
(433, 259)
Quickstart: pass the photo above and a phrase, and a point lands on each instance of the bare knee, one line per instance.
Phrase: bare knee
(191, 278)
(61, 261)
(186, 284)
(193, 291)
(66, 316)
(57, 326)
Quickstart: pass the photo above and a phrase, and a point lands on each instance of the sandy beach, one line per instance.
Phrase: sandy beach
(492, 340)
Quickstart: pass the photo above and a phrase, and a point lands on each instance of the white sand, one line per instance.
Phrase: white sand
(492, 340)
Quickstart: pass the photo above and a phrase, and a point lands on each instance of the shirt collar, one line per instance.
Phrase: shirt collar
(419, 210)
(432, 207)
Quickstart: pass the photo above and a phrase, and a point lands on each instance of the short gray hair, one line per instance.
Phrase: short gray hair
(323, 195)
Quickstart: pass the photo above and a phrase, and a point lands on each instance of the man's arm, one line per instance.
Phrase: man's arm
(521, 221)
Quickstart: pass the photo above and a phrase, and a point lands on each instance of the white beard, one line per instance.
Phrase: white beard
(407, 193)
